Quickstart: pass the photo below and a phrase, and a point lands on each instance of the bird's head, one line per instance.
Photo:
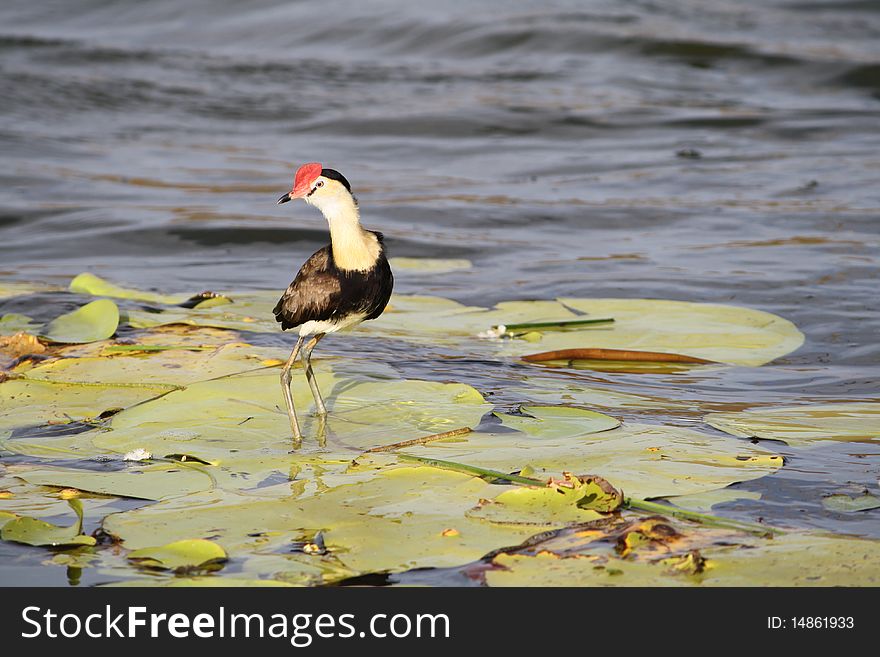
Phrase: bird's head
(319, 187)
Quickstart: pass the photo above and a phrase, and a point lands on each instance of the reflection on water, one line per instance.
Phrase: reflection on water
(705, 151)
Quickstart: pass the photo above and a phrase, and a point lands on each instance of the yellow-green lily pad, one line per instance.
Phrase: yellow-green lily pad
(12, 323)
(180, 555)
(151, 482)
(572, 501)
(87, 283)
(429, 265)
(32, 531)
(646, 461)
(25, 403)
(558, 421)
(793, 559)
(89, 323)
(804, 425)
(849, 504)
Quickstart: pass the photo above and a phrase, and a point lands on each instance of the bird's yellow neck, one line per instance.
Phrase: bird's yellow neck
(354, 249)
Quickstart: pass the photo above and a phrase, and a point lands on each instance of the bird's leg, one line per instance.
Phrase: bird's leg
(285, 387)
(310, 375)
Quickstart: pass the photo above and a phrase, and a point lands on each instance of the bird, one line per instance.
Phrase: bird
(341, 285)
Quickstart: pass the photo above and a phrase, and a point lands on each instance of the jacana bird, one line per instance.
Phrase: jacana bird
(343, 284)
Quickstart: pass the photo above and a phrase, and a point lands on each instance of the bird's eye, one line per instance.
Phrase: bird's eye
(320, 183)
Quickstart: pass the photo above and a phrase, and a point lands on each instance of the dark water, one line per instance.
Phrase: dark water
(705, 151)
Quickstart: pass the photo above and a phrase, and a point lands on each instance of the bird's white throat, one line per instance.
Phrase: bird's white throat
(354, 249)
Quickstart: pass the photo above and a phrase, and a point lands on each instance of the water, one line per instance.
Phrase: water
(704, 151)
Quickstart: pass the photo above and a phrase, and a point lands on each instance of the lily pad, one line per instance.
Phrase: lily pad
(244, 413)
(12, 323)
(705, 501)
(31, 531)
(429, 265)
(391, 519)
(252, 311)
(646, 461)
(846, 504)
(725, 334)
(721, 333)
(87, 283)
(180, 555)
(805, 425)
(558, 421)
(165, 367)
(25, 403)
(154, 482)
(9, 289)
(573, 501)
(92, 322)
(793, 559)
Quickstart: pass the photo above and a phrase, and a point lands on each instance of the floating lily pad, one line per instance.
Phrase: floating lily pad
(87, 283)
(92, 322)
(6, 516)
(794, 559)
(644, 460)
(25, 403)
(154, 482)
(9, 289)
(31, 531)
(429, 265)
(244, 413)
(726, 334)
(12, 323)
(805, 425)
(572, 502)
(558, 421)
(705, 501)
(164, 367)
(180, 555)
(252, 311)
(393, 519)
(846, 504)
(721, 333)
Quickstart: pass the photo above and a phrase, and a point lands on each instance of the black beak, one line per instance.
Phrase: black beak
(284, 199)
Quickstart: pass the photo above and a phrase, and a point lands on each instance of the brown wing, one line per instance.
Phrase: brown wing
(313, 295)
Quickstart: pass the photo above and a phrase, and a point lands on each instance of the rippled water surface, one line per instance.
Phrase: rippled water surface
(704, 151)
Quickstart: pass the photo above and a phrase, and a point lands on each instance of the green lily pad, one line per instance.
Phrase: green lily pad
(704, 502)
(25, 403)
(252, 311)
(847, 504)
(572, 502)
(9, 289)
(92, 322)
(794, 559)
(230, 418)
(6, 516)
(805, 425)
(726, 334)
(646, 461)
(558, 421)
(180, 555)
(429, 265)
(154, 482)
(87, 283)
(393, 518)
(164, 367)
(31, 531)
(12, 323)
(721, 333)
